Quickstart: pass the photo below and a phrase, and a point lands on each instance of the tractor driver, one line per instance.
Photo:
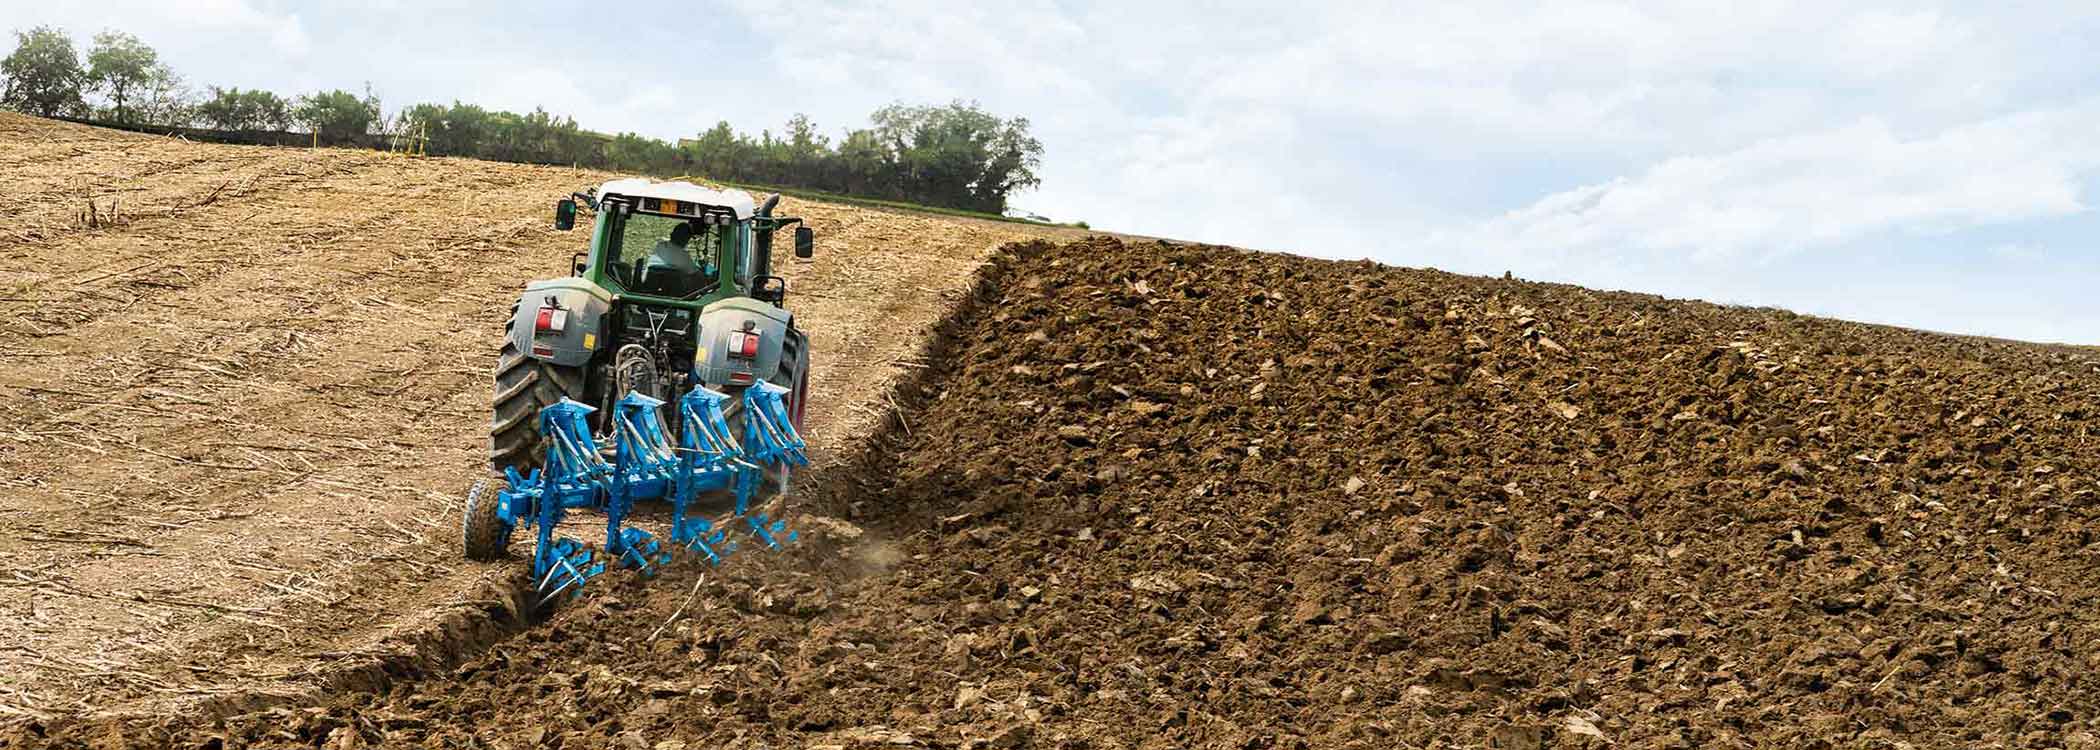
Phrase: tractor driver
(672, 253)
(674, 260)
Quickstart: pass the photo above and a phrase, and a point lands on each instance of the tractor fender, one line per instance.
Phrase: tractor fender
(582, 305)
(721, 321)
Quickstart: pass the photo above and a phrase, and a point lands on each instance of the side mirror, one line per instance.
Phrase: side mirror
(565, 214)
(805, 242)
(769, 289)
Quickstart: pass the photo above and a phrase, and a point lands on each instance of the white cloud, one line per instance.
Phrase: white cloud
(287, 35)
(2017, 252)
(1486, 83)
(1614, 74)
(1814, 191)
(233, 24)
(926, 51)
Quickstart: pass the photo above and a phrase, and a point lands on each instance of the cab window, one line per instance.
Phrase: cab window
(661, 255)
(745, 248)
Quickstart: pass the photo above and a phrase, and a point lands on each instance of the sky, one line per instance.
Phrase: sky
(1931, 165)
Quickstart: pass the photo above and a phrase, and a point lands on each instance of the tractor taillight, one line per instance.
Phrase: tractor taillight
(743, 344)
(551, 320)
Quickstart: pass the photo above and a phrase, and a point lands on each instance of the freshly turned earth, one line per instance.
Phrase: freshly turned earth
(1172, 496)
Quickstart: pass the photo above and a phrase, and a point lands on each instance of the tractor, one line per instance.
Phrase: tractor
(673, 304)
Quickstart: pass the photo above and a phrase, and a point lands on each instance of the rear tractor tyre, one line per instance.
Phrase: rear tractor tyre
(792, 375)
(798, 400)
(524, 386)
(487, 536)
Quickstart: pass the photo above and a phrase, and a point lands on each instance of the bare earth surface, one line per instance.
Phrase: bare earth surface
(1166, 497)
(243, 397)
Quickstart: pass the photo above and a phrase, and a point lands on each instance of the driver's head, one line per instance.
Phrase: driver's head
(681, 234)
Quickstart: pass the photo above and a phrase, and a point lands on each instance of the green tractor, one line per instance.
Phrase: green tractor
(675, 292)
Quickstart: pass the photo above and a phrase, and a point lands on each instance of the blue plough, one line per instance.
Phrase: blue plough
(648, 465)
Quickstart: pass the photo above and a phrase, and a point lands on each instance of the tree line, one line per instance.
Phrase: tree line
(955, 155)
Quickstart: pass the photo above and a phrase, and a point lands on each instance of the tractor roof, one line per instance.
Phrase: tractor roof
(737, 201)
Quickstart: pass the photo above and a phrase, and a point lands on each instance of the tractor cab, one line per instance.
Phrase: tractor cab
(675, 291)
(676, 242)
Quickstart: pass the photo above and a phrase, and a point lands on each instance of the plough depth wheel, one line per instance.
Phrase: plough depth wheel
(487, 533)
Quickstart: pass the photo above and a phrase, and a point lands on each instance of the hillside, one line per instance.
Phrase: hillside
(1162, 496)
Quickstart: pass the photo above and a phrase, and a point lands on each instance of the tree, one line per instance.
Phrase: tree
(427, 121)
(959, 155)
(166, 101)
(234, 109)
(43, 74)
(1014, 157)
(337, 115)
(458, 130)
(121, 65)
(223, 110)
(808, 153)
(715, 151)
(864, 167)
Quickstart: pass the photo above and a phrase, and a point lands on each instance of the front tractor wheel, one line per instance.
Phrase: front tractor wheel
(524, 386)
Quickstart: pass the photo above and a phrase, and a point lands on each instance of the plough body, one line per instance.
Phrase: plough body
(708, 457)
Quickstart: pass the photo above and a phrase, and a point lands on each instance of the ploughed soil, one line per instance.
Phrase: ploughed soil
(1171, 496)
